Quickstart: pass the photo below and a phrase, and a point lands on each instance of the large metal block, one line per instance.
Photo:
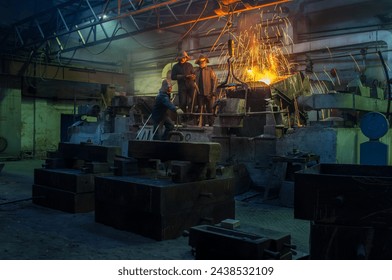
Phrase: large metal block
(70, 180)
(160, 196)
(63, 200)
(53, 163)
(185, 171)
(168, 150)
(125, 166)
(159, 208)
(217, 243)
(89, 152)
(344, 194)
(96, 167)
(159, 226)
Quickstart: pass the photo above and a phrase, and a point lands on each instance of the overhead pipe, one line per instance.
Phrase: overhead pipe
(344, 41)
(350, 40)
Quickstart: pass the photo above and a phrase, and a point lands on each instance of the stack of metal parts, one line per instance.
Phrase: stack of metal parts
(350, 209)
(219, 243)
(66, 182)
(161, 204)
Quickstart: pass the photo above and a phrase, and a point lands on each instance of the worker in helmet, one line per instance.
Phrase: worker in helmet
(160, 111)
(206, 82)
(184, 74)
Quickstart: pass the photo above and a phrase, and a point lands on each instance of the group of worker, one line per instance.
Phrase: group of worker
(194, 85)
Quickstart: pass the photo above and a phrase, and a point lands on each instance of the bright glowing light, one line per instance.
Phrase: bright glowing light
(259, 55)
(267, 77)
(265, 80)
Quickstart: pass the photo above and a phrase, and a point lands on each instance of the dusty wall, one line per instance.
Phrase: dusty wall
(41, 122)
(334, 145)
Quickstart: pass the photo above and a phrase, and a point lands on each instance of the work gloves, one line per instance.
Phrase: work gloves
(179, 111)
(191, 77)
(186, 77)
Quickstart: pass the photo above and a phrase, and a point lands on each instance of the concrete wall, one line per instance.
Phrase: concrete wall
(347, 146)
(147, 82)
(10, 128)
(334, 145)
(313, 139)
(41, 121)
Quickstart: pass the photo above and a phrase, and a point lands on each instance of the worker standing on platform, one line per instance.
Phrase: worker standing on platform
(160, 111)
(206, 83)
(184, 74)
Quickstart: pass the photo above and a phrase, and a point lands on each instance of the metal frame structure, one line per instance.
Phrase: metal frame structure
(75, 24)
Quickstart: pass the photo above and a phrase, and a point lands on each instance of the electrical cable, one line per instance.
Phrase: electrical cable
(149, 47)
(197, 20)
(70, 59)
(107, 46)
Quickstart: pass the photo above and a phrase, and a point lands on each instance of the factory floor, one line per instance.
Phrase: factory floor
(29, 231)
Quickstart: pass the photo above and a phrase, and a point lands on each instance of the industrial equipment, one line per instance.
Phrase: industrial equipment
(160, 189)
(175, 187)
(255, 108)
(219, 243)
(66, 182)
(350, 209)
(256, 121)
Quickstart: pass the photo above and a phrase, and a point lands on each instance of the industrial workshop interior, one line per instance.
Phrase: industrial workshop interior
(195, 130)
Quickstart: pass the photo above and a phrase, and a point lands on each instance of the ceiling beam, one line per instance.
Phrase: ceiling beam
(246, 9)
(93, 15)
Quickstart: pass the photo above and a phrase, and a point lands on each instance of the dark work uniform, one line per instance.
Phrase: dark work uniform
(185, 86)
(206, 82)
(159, 114)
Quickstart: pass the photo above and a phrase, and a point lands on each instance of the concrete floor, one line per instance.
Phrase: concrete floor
(29, 231)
